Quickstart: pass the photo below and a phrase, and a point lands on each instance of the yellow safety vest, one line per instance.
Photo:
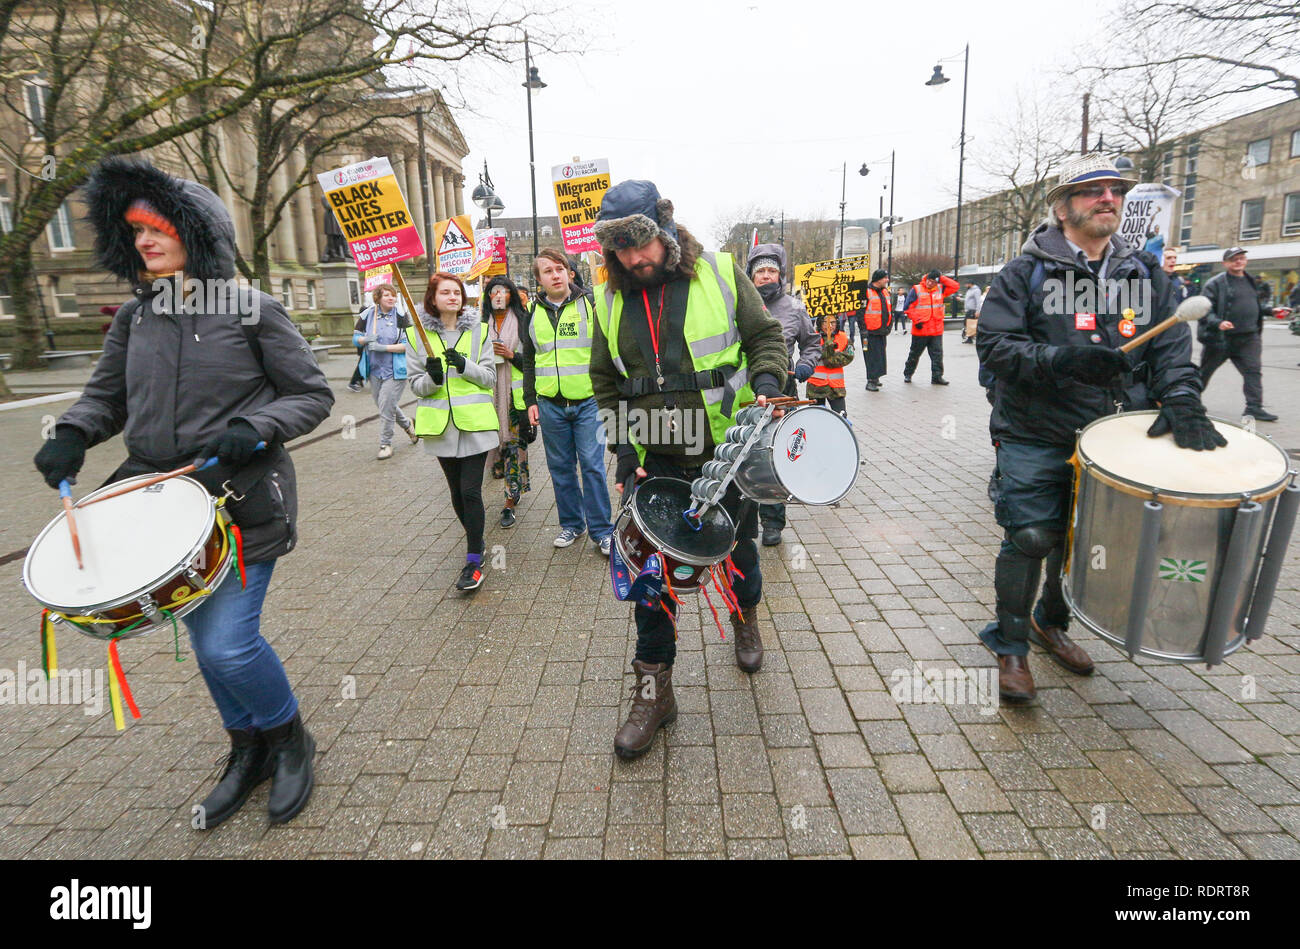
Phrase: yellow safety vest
(468, 404)
(712, 337)
(563, 351)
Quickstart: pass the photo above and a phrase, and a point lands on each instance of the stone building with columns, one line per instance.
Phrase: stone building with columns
(321, 294)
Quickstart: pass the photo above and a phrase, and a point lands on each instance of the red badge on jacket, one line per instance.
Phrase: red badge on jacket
(1127, 328)
(1085, 321)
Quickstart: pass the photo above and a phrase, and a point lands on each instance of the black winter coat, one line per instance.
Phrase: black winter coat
(1219, 291)
(1020, 332)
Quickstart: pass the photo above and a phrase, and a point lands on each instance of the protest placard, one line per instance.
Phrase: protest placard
(368, 204)
(454, 240)
(832, 287)
(579, 188)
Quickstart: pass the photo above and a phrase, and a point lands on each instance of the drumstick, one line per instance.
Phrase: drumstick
(162, 477)
(65, 492)
(1189, 311)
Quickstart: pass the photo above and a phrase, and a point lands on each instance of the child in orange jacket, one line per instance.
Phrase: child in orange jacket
(826, 384)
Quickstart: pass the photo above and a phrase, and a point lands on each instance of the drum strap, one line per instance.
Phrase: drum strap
(673, 382)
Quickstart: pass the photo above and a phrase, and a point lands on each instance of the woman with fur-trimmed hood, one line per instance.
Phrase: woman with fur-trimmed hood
(195, 367)
(456, 418)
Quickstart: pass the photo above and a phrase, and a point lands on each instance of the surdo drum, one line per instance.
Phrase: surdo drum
(148, 555)
(1175, 554)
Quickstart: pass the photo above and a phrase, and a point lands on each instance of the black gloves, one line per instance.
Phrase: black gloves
(802, 372)
(765, 384)
(625, 470)
(1186, 417)
(1095, 365)
(62, 456)
(433, 366)
(233, 447)
(457, 359)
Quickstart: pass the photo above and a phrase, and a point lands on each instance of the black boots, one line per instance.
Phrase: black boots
(247, 766)
(291, 749)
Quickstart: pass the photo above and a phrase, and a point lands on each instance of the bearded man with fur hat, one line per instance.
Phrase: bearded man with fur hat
(678, 330)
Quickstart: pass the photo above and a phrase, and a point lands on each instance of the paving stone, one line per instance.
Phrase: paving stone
(1200, 735)
(882, 847)
(813, 831)
(906, 773)
(972, 791)
(1140, 783)
(742, 764)
(1000, 833)
(758, 848)
(843, 751)
(948, 752)
(1016, 771)
(1071, 844)
(934, 827)
(864, 806)
(1230, 810)
(693, 828)
(885, 738)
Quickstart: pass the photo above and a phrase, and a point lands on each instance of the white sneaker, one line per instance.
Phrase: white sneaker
(567, 537)
(385, 451)
(605, 543)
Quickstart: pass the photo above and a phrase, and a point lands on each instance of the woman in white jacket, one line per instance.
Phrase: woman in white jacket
(456, 418)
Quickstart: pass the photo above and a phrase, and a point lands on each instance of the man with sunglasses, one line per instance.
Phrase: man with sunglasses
(1049, 335)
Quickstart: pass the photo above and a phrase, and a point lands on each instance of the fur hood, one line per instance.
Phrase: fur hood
(201, 220)
(468, 317)
(690, 253)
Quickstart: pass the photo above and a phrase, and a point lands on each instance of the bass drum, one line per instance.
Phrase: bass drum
(652, 522)
(1166, 544)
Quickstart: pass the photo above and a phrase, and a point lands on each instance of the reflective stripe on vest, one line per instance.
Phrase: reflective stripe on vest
(927, 308)
(468, 404)
(516, 386)
(712, 337)
(563, 351)
(824, 376)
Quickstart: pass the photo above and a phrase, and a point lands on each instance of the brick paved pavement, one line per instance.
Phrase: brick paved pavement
(482, 726)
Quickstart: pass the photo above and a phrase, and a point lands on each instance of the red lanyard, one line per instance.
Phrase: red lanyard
(654, 328)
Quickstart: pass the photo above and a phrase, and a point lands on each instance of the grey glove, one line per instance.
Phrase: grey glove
(377, 347)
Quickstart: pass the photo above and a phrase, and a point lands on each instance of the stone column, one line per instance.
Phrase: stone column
(284, 238)
(303, 205)
(449, 190)
(411, 185)
(439, 193)
(238, 151)
(458, 187)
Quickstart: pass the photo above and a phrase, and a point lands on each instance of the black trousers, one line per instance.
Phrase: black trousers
(836, 403)
(875, 356)
(655, 640)
(773, 515)
(920, 344)
(1246, 352)
(465, 479)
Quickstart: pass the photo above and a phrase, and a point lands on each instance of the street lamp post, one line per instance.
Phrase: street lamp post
(485, 196)
(531, 81)
(936, 80)
(890, 266)
(844, 168)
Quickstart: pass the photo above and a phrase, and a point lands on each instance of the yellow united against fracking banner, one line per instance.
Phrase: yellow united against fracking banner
(832, 287)
(579, 188)
(370, 209)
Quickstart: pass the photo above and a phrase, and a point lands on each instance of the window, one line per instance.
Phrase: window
(1295, 144)
(1291, 215)
(59, 230)
(6, 216)
(311, 294)
(1189, 194)
(1257, 152)
(354, 291)
(65, 304)
(35, 96)
(1167, 170)
(547, 231)
(6, 300)
(286, 293)
(1252, 219)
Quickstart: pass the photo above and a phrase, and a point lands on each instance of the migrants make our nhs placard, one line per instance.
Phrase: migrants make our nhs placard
(579, 188)
(368, 204)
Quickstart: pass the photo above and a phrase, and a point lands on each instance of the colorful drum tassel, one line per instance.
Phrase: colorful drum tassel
(118, 689)
(239, 554)
(49, 652)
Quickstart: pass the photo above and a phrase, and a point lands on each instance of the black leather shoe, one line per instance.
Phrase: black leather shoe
(873, 387)
(1259, 415)
(291, 749)
(939, 382)
(907, 378)
(247, 765)
(771, 537)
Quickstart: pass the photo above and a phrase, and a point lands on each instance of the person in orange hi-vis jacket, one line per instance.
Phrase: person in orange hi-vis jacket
(826, 384)
(924, 307)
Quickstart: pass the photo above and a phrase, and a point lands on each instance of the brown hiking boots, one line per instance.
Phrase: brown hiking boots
(653, 706)
(749, 644)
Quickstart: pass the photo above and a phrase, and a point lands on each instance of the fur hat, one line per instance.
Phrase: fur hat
(760, 262)
(632, 215)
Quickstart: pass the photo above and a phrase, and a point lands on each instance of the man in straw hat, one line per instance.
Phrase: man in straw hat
(1049, 334)
(679, 331)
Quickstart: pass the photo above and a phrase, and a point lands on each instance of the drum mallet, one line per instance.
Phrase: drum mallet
(65, 492)
(162, 477)
(1189, 311)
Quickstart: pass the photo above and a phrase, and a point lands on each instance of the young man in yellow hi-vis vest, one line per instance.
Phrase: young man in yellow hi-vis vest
(682, 334)
(557, 391)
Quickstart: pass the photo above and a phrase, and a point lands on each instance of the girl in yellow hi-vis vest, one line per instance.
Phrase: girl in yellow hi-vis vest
(455, 417)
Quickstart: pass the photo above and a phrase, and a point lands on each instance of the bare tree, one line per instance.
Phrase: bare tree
(1236, 46)
(1026, 146)
(103, 85)
(911, 266)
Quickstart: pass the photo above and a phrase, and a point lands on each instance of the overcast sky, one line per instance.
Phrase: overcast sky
(731, 103)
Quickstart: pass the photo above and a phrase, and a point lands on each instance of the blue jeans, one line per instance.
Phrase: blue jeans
(574, 438)
(241, 669)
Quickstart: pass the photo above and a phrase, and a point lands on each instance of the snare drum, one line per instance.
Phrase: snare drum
(809, 456)
(652, 522)
(1167, 546)
(160, 548)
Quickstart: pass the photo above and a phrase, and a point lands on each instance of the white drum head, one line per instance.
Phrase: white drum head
(129, 544)
(815, 454)
(1120, 446)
